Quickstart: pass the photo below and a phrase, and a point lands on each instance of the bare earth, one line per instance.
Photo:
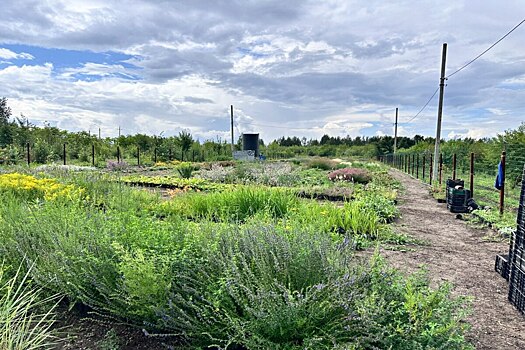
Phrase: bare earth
(457, 253)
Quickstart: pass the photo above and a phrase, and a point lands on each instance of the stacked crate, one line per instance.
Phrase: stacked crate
(516, 262)
(457, 198)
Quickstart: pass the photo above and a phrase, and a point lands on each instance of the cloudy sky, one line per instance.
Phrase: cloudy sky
(302, 68)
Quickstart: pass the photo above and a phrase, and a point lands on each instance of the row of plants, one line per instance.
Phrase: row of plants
(245, 268)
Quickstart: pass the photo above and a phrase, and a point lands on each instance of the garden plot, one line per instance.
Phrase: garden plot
(247, 266)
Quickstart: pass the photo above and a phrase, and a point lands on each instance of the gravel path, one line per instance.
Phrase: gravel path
(457, 253)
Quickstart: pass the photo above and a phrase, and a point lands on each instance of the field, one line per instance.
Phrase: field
(224, 255)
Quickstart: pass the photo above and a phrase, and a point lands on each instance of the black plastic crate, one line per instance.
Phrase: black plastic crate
(517, 288)
(457, 208)
(502, 265)
(454, 183)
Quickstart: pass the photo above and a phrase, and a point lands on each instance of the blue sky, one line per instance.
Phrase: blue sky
(296, 68)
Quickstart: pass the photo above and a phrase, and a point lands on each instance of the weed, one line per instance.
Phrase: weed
(110, 341)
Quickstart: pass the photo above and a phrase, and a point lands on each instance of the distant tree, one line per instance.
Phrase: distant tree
(324, 140)
(184, 141)
(5, 111)
(6, 129)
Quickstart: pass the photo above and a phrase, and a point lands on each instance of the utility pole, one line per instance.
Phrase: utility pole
(440, 110)
(231, 110)
(99, 133)
(395, 134)
(119, 131)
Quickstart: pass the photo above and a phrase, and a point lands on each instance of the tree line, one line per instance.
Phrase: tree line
(46, 145)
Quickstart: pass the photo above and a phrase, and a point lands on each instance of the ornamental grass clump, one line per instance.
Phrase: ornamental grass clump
(356, 175)
(23, 324)
(322, 163)
(232, 206)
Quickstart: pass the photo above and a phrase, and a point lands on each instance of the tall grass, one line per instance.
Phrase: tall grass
(235, 205)
(23, 324)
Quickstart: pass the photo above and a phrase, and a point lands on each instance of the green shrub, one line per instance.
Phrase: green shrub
(384, 207)
(321, 163)
(185, 170)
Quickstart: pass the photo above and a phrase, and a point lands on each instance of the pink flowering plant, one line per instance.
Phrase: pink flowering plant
(350, 174)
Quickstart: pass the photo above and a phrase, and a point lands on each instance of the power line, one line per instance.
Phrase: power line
(487, 50)
(422, 108)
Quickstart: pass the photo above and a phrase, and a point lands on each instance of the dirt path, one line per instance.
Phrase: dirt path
(458, 254)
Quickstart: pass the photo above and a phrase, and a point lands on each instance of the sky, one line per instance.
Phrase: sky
(290, 68)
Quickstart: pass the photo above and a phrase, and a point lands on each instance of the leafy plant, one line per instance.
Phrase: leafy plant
(185, 170)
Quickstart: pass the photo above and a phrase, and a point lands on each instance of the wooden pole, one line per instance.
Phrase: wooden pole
(231, 113)
(423, 175)
(417, 167)
(440, 108)
(28, 154)
(138, 156)
(440, 168)
(118, 154)
(155, 155)
(64, 154)
(472, 174)
(395, 134)
(454, 159)
(413, 163)
(502, 190)
(93, 154)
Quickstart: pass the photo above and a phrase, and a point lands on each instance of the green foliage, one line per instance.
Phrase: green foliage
(193, 184)
(23, 324)
(321, 163)
(185, 170)
(383, 206)
(110, 341)
(251, 267)
(235, 205)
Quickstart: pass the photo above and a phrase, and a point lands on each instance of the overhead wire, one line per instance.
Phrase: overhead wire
(486, 50)
(465, 66)
(423, 108)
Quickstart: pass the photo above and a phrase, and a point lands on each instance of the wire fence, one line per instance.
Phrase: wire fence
(100, 154)
(477, 175)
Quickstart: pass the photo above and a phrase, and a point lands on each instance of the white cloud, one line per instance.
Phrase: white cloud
(308, 67)
(10, 55)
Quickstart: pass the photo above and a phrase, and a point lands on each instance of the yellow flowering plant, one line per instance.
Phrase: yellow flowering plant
(31, 188)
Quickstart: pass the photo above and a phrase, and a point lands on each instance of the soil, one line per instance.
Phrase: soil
(458, 253)
(85, 331)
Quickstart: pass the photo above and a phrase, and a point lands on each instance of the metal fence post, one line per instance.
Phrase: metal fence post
(431, 173)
